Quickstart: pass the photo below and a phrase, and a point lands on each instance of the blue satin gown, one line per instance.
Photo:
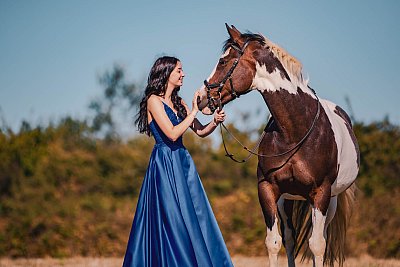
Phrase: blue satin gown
(174, 224)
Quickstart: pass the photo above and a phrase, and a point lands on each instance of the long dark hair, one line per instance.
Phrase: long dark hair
(157, 85)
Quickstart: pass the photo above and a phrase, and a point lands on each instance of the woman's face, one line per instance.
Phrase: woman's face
(176, 78)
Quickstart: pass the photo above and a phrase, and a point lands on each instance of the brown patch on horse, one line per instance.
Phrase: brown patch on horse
(339, 111)
(267, 58)
(313, 165)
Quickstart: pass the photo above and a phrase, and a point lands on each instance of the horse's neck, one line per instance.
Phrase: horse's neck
(290, 101)
(293, 111)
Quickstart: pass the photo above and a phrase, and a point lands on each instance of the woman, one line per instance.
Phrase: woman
(174, 224)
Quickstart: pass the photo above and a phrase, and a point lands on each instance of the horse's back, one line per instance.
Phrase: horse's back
(348, 151)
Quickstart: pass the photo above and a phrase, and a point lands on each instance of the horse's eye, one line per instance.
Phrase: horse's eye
(222, 61)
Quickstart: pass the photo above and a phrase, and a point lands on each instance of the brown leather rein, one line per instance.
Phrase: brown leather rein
(252, 151)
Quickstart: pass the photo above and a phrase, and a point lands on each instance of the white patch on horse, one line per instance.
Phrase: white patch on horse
(347, 154)
(273, 82)
(226, 52)
(273, 242)
(317, 241)
(202, 90)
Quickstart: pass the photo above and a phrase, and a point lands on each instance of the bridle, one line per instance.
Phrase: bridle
(213, 102)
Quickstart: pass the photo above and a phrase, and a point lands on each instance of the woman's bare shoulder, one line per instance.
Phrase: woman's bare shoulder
(153, 100)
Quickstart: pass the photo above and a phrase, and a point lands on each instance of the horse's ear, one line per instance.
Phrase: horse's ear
(234, 33)
(234, 28)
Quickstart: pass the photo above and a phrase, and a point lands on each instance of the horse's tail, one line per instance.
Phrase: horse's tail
(336, 232)
(302, 226)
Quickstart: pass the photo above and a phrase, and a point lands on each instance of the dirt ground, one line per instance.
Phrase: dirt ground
(238, 261)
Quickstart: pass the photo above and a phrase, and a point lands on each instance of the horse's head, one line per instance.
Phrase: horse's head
(233, 74)
(250, 61)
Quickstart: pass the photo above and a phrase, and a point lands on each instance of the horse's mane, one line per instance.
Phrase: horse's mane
(248, 37)
(289, 62)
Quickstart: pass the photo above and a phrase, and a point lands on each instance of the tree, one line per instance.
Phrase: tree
(118, 96)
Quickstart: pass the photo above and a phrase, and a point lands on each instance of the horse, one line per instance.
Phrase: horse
(308, 158)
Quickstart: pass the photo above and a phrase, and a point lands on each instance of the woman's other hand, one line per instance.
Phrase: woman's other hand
(219, 116)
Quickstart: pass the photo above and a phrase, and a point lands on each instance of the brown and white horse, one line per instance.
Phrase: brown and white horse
(308, 155)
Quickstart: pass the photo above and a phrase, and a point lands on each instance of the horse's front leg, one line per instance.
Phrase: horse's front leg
(268, 196)
(317, 241)
(285, 208)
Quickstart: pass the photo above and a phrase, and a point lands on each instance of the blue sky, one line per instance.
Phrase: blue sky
(51, 52)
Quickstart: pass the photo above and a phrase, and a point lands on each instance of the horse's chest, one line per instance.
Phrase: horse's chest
(299, 170)
(291, 179)
(294, 171)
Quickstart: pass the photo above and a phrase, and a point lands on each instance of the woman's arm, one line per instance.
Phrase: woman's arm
(204, 130)
(156, 109)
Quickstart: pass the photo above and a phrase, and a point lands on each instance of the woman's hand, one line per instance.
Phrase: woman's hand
(219, 116)
(195, 108)
(204, 130)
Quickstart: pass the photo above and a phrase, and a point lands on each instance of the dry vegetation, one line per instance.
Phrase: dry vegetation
(65, 193)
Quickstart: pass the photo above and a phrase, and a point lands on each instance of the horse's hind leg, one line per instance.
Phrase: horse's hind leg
(285, 208)
(330, 214)
(267, 195)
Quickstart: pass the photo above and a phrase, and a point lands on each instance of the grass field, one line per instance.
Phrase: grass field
(238, 261)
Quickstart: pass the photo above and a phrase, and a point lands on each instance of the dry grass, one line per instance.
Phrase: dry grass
(238, 261)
